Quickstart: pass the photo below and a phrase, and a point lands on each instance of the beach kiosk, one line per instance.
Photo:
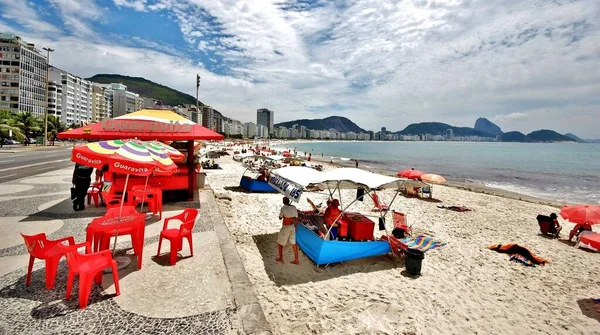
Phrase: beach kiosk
(292, 181)
(152, 124)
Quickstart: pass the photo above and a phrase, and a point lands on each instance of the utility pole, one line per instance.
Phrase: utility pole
(198, 113)
(48, 51)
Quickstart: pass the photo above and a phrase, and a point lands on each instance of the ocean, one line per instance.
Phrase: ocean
(566, 172)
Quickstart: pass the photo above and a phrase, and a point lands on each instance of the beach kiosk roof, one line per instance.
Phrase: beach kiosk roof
(146, 124)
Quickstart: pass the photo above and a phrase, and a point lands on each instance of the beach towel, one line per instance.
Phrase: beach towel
(455, 208)
(515, 249)
(522, 260)
(422, 242)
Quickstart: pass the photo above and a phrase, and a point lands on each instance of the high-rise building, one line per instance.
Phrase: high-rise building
(449, 134)
(208, 117)
(383, 130)
(22, 76)
(250, 130)
(55, 99)
(76, 97)
(99, 104)
(123, 101)
(266, 118)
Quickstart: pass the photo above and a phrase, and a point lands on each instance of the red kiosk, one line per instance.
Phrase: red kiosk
(146, 125)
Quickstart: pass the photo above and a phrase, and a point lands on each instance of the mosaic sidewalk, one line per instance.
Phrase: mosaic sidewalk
(204, 294)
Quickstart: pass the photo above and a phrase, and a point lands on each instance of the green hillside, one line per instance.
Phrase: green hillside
(438, 128)
(340, 123)
(147, 88)
(545, 135)
(513, 136)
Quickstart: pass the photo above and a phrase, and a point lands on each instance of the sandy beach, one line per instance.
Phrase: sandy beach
(464, 287)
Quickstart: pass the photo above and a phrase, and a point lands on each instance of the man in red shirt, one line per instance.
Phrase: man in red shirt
(289, 215)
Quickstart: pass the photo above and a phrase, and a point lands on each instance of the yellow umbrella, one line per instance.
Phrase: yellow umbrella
(433, 178)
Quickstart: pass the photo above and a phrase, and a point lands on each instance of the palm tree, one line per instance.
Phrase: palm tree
(8, 124)
(55, 126)
(28, 124)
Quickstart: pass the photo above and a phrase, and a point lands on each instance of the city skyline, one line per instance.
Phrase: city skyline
(523, 65)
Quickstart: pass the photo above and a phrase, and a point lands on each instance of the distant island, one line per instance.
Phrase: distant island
(483, 130)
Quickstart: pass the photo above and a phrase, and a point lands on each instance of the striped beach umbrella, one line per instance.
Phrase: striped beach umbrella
(140, 159)
(173, 153)
(95, 154)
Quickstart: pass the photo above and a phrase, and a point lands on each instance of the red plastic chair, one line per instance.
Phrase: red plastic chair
(38, 246)
(378, 206)
(89, 267)
(175, 236)
(94, 193)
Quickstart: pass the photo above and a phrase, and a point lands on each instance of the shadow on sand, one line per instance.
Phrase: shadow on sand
(590, 308)
(287, 274)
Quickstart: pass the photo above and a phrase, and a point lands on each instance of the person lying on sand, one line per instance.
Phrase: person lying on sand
(455, 208)
(515, 249)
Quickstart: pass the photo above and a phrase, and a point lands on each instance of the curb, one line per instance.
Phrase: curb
(250, 311)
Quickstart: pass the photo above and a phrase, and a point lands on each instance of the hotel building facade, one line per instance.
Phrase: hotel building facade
(22, 76)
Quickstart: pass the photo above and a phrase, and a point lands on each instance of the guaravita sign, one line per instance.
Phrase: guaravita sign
(135, 126)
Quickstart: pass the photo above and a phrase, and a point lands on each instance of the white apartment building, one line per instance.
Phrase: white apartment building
(250, 130)
(76, 97)
(55, 99)
(22, 76)
(123, 101)
(100, 110)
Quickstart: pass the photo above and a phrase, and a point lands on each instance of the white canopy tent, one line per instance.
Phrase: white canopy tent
(293, 180)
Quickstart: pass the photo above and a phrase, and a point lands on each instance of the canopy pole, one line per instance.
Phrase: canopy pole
(124, 195)
(190, 164)
(339, 192)
(144, 195)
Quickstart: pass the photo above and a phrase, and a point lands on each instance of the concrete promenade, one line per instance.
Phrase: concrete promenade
(208, 293)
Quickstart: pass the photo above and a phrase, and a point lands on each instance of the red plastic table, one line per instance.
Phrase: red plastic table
(101, 229)
(150, 195)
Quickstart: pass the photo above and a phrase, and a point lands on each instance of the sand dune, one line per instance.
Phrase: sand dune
(464, 288)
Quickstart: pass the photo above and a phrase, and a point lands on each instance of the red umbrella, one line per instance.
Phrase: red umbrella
(581, 213)
(410, 174)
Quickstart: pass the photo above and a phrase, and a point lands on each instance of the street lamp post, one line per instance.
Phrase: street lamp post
(48, 51)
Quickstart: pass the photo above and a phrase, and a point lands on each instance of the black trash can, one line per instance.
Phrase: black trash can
(413, 261)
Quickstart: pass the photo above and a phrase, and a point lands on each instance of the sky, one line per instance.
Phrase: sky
(523, 64)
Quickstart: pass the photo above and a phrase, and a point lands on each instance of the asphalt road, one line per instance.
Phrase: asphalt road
(25, 164)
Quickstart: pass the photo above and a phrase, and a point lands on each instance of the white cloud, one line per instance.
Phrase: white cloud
(139, 5)
(79, 15)
(26, 16)
(509, 117)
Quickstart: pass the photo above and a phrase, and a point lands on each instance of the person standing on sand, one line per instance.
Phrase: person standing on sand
(356, 163)
(289, 215)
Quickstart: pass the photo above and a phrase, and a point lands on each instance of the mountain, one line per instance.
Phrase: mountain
(513, 136)
(147, 88)
(545, 135)
(575, 137)
(484, 125)
(340, 123)
(438, 128)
